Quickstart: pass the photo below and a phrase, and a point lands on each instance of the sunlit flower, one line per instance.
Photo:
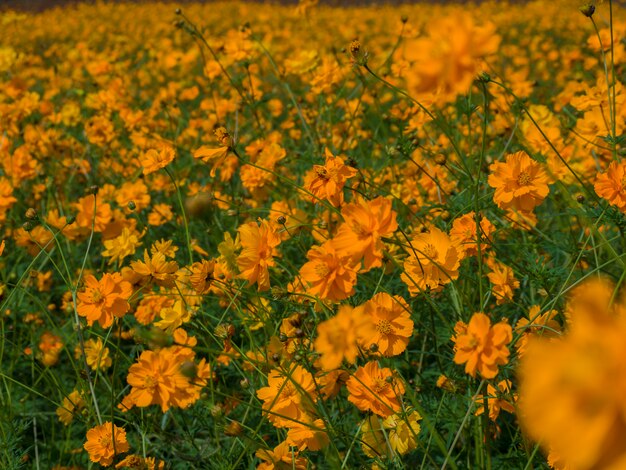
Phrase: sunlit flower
(327, 274)
(282, 457)
(498, 399)
(433, 261)
(481, 346)
(392, 324)
(327, 181)
(157, 378)
(289, 397)
(105, 299)
(119, 248)
(611, 185)
(156, 269)
(259, 242)
(503, 281)
(366, 222)
(156, 158)
(201, 276)
(374, 389)
(104, 442)
(310, 435)
(520, 183)
(463, 233)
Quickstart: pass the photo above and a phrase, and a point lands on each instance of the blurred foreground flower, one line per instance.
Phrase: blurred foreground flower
(572, 388)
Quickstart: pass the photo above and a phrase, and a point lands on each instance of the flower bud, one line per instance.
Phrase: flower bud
(588, 9)
(31, 214)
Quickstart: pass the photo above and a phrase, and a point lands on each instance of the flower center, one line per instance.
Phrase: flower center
(384, 327)
(150, 382)
(524, 179)
(379, 385)
(96, 296)
(322, 270)
(322, 172)
(358, 229)
(287, 388)
(105, 441)
(430, 251)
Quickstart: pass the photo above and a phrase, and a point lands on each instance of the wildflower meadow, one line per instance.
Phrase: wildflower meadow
(245, 235)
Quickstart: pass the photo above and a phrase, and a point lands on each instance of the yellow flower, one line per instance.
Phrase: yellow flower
(402, 431)
(173, 317)
(96, 354)
(119, 248)
(72, 403)
(156, 269)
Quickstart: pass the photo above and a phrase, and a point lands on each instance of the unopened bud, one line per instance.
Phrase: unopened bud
(31, 214)
(588, 9)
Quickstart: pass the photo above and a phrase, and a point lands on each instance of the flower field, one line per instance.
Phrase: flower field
(242, 235)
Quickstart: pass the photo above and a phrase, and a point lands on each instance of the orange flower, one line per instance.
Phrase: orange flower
(463, 233)
(536, 325)
(6, 197)
(309, 435)
(520, 183)
(503, 280)
(259, 242)
(433, 262)
(497, 399)
(328, 275)
(374, 389)
(149, 307)
(102, 300)
(281, 458)
(337, 337)
(482, 347)
(216, 156)
(289, 396)
(137, 462)
(104, 442)
(155, 159)
(50, 347)
(611, 185)
(156, 269)
(392, 322)
(157, 378)
(366, 222)
(572, 388)
(447, 58)
(92, 212)
(201, 277)
(327, 181)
